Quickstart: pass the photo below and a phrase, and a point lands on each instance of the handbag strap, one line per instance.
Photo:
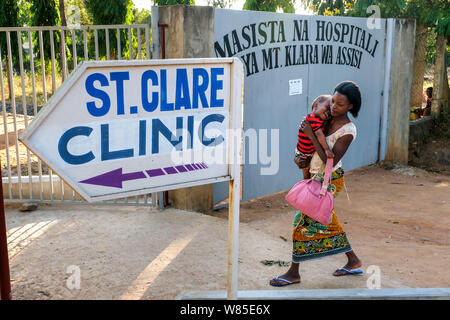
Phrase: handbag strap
(327, 178)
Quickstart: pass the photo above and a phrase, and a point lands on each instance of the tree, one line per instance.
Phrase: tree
(440, 82)
(62, 49)
(438, 17)
(62, 13)
(270, 5)
(25, 15)
(221, 3)
(142, 16)
(9, 18)
(419, 64)
(76, 13)
(357, 8)
(429, 14)
(104, 12)
(109, 11)
(46, 13)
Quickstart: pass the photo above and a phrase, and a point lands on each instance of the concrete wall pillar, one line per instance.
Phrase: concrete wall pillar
(399, 93)
(189, 33)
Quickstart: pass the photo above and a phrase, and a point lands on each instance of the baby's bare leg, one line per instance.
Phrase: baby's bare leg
(306, 174)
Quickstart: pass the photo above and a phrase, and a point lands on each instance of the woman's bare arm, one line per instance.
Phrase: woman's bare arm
(339, 149)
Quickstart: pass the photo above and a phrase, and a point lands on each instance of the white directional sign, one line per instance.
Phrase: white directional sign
(125, 128)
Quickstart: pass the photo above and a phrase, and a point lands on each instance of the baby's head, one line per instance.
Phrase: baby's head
(321, 107)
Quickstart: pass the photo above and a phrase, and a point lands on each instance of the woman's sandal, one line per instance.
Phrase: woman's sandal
(347, 272)
(287, 282)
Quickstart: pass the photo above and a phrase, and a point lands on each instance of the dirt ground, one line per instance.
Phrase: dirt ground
(398, 220)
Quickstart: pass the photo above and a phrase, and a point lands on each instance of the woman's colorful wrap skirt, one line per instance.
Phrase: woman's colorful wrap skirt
(312, 240)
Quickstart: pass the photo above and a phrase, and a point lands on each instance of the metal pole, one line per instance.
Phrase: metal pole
(165, 194)
(163, 40)
(234, 197)
(5, 280)
(233, 240)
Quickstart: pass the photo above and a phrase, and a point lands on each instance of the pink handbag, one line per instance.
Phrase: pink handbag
(312, 197)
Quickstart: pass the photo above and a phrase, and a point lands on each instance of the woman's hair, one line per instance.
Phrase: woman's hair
(351, 91)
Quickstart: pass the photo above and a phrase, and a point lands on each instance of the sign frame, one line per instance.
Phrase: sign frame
(234, 146)
(235, 113)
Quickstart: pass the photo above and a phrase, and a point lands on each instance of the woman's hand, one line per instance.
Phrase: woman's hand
(302, 161)
(306, 127)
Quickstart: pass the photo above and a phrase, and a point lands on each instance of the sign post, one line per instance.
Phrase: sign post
(234, 198)
(117, 129)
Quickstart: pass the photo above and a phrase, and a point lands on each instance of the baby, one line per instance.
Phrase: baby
(320, 113)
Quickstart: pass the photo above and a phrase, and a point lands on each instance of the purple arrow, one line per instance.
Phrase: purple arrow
(114, 178)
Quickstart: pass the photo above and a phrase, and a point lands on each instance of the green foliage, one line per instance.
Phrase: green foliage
(437, 15)
(221, 3)
(326, 7)
(270, 5)
(357, 8)
(9, 18)
(9, 10)
(105, 12)
(142, 16)
(45, 13)
(109, 11)
(434, 13)
(431, 48)
(25, 15)
(173, 2)
(76, 12)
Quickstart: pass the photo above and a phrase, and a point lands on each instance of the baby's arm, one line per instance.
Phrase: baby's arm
(323, 142)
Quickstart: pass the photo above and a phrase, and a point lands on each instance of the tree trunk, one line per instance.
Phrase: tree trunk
(420, 51)
(446, 90)
(62, 52)
(62, 13)
(9, 79)
(439, 72)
